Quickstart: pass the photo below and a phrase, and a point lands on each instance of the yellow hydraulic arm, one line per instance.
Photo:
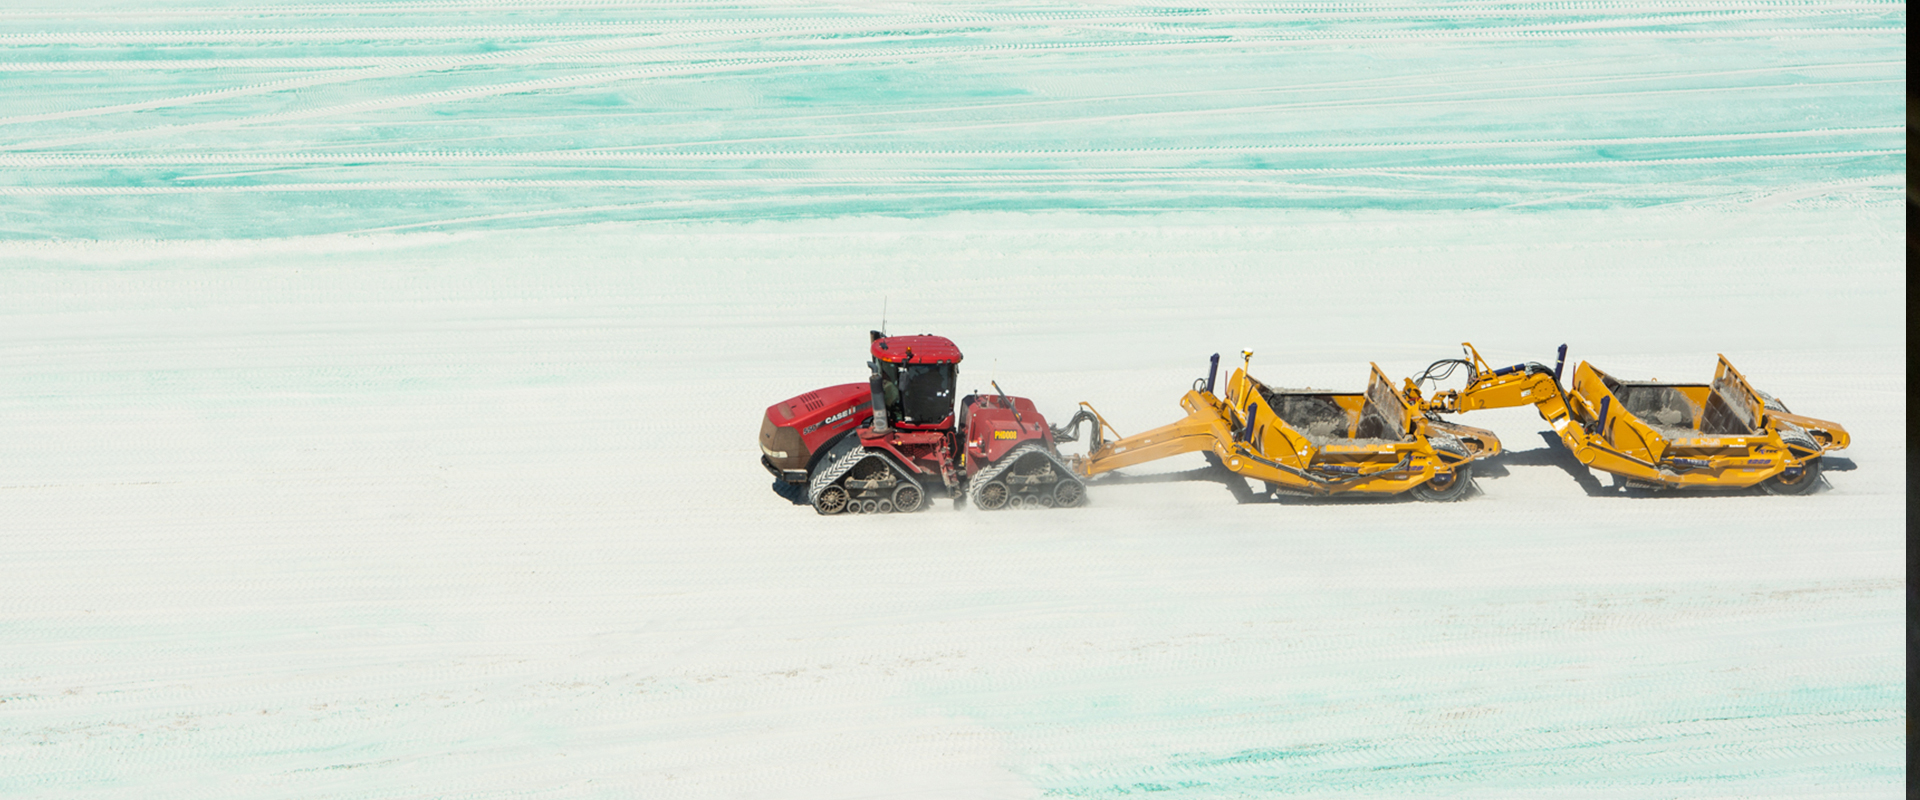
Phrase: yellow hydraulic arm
(1503, 387)
(1536, 385)
(1601, 433)
(1205, 423)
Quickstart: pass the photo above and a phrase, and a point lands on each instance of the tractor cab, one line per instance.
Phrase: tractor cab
(913, 380)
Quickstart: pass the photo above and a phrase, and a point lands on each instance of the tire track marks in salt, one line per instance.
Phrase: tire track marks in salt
(1577, 692)
(1281, 13)
(1431, 99)
(1056, 66)
(611, 76)
(624, 156)
(1538, 30)
(533, 55)
(766, 208)
(359, 9)
(662, 35)
(721, 28)
(603, 77)
(1330, 86)
(364, 9)
(1014, 178)
(398, 68)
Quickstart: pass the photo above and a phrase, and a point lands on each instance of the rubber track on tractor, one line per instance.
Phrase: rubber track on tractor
(830, 472)
(830, 475)
(1050, 497)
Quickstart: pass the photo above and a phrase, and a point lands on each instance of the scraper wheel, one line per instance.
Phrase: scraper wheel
(1800, 481)
(1446, 488)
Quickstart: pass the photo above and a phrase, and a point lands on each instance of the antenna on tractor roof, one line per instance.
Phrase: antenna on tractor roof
(883, 315)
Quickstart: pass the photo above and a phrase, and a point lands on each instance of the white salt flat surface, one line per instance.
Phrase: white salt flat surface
(480, 515)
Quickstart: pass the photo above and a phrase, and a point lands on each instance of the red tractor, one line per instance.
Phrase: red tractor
(888, 444)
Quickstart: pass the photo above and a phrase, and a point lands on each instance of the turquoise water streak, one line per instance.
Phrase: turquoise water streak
(1407, 693)
(124, 120)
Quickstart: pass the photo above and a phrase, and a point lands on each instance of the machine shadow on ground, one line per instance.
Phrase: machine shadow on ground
(795, 493)
(1554, 454)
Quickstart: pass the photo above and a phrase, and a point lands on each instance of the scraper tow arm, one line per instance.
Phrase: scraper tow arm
(1600, 433)
(1243, 432)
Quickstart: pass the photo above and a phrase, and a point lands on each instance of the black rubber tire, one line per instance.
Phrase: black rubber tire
(1805, 482)
(1455, 488)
